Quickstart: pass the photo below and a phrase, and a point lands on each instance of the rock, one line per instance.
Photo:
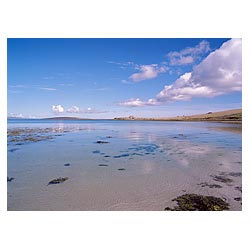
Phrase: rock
(57, 181)
(194, 202)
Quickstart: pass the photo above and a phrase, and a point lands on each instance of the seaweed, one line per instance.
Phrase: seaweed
(67, 164)
(235, 174)
(96, 152)
(121, 169)
(222, 179)
(13, 150)
(102, 142)
(9, 179)
(238, 188)
(194, 202)
(122, 155)
(58, 180)
(205, 184)
(238, 199)
(103, 165)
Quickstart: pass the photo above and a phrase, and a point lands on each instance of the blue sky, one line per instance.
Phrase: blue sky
(107, 78)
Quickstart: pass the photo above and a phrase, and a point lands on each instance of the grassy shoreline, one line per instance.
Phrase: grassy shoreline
(228, 116)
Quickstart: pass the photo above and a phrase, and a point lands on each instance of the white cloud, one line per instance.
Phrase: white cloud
(74, 109)
(147, 72)
(219, 73)
(17, 86)
(48, 89)
(188, 55)
(57, 108)
(12, 115)
(93, 111)
(136, 102)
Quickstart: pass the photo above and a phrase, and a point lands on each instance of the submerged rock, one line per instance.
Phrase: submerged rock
(194, 202)
(13, 150)
(222, 179)
(57, 181)
(102, 142)
(96, 152)
(9, 179)
(205, 184)
(238, 199)
(235, 174)
(238, 188)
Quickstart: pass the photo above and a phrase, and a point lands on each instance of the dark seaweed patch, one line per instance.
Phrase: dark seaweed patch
(121, 169)
(238, 199)
(13, 150)
(103, 165)
(235, 174)
(9, 179)
(120, 156)
(194, 202)
(67, 164)
(96, 152)
(58, 181)
(102, 142)
(205, 184)
(238, 188)
(222, 179)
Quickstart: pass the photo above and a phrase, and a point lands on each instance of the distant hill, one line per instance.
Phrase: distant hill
(234, 115)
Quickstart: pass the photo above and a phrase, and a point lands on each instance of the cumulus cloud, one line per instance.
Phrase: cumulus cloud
(48, 89)
(137, 102)
(93, 111)
(188, 55)
(57, 108)
(74, 109)
(219, 73)
(147, 72)
(12, 115)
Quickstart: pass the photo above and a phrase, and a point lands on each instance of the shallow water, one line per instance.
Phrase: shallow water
(119, 165)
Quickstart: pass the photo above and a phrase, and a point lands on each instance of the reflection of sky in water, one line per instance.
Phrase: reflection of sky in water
(196, 132)
(152, 155)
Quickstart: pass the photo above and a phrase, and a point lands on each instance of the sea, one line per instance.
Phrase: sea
(107, 165)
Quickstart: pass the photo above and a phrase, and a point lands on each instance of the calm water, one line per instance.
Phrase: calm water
(137, 165)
